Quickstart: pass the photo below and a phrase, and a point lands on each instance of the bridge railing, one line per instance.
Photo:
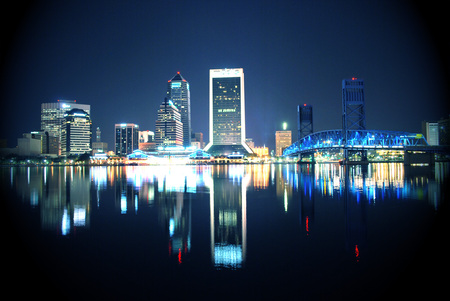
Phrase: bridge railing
(364, 139)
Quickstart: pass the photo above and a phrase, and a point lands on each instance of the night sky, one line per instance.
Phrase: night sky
(117, 56)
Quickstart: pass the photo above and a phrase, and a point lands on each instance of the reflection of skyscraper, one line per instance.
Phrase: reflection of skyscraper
(355, 211)
(306, 187)
(226, 112)
(62, 193)
(228, 213)
(178, 92)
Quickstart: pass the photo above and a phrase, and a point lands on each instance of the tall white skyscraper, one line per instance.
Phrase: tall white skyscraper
(226, 112)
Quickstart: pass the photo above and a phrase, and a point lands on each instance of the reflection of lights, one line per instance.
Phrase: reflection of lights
(228, 256)
(34, 197)
(99, 175)
(171, 226)
(357, 253)
(228, 218)
(65, 224)
(123, 203)
(307, 225)
(79, 216)
(285, 200)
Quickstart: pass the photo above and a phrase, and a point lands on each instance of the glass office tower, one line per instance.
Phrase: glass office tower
(226, 112)
(126, 138)
(168, 127)
(178, 92)
(76, 133)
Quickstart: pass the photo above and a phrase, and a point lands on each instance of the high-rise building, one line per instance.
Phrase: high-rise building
(282, 140)
(98, 146)
(52, 116)
(147, 140)
(304, 120)
(431, 132)
(126, 138)
(226, 112)
(197, 140)
(76, 133)
(168, 128)
(178, 92)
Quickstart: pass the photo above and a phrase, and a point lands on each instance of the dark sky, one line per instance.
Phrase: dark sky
(117, 56)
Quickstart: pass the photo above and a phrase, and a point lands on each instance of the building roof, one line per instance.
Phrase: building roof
(178, 77)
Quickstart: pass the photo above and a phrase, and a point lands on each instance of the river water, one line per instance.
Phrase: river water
(284, 231)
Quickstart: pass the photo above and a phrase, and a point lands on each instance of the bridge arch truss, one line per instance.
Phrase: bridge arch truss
(356, 139)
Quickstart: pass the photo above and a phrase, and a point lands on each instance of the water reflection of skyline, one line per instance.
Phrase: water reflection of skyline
(65, 196)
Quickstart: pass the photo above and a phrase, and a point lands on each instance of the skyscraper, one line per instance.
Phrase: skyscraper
(178, 92)
(126, 138)
(98, 146)
(282, 140)
(168, 128)
(76, 133)
(226, 112)
(52, 116)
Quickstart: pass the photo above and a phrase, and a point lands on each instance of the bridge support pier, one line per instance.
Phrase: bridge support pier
(309, 156)
(418, 157)
(349, 152)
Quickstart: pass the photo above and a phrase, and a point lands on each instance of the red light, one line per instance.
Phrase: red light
(357, 253)
(178, 72)
(179, 256)
(307, 224)
(354, 78)
(304, 104)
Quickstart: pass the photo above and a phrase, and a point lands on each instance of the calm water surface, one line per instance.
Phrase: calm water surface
(233, 231)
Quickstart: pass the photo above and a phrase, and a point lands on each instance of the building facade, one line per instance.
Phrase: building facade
(147, 140)
(178, 92)
(76, 134)
(431, 132)
(168, 127)
(98, 146)
(226, 112)
(52, 116)
(126, 138)
(283, 139)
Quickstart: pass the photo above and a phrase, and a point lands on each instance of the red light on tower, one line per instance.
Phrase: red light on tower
(304, 104)
(178, 72)
(354, 78)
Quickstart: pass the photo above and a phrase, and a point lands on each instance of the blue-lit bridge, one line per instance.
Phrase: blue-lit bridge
(359, 140)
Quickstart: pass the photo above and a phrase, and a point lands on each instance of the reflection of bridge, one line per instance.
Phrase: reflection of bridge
(360, 140)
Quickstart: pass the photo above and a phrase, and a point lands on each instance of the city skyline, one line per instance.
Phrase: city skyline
(109, 55)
